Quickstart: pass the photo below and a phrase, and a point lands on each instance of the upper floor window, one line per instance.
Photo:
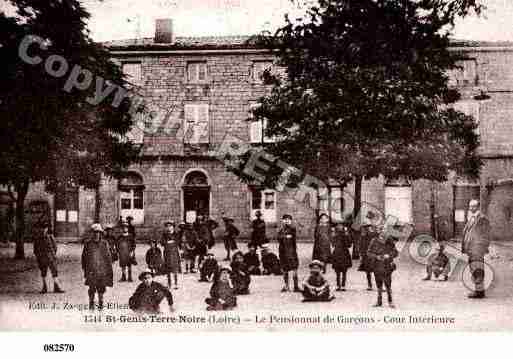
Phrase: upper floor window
(465, 74)
(257, 127)
(133, 72)
(258, 69)
(332, 203)
(196, 71)
(263, 200)
(131, 197)
(196, 124)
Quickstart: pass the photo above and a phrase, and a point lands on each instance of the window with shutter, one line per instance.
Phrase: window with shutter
(257, 128)
(264, 200)
(133, 72)
(196, 127)
(196, 71)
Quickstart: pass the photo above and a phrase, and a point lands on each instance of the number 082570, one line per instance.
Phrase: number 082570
(59, 348)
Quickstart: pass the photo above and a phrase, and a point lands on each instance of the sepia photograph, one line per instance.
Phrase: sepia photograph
(256, 166)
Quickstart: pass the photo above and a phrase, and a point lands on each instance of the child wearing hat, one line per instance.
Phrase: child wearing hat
(149, 294)
(341, 258)
(209, 268)
(288, 252)
(172, 243)
(438, 264)
(251, 260)
(126, 252)
(222, 292)
(240, 274)
(154, 258)
(322, 241)
(316, 288)
(270, 262)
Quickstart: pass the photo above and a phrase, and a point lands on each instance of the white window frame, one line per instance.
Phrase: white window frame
(200, 127)
(257, 128)
(269, 215)
(326, 205)
(136, 213)
(134, 80)
(194, 68)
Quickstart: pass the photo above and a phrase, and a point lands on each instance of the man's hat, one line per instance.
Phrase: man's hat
(97, 227)
(473, 202)
(129, 218)
(285, 216)
(144, 273)
(224, 268)
(258, 214)
(316, 263)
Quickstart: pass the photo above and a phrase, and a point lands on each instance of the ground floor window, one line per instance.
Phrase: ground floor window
(398, 201)
(264, 200)
(131, 197)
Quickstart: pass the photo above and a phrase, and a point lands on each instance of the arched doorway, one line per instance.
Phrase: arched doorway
(196, 195)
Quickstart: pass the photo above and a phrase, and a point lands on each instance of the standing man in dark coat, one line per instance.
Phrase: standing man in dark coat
(382, 252)
(149, 294)
(288, 252)
(476, 243)
(97, 266)
(322, 241)
(230, 235)
(172, 244)
(341, 258)
(258, 237)
(45, 251)
(126, 252)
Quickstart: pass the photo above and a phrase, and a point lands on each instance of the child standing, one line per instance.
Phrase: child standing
(231, 233)
(190, 244)
(126, 252)
(382, 252)
(288, 252)
(341, 259)
(322, 241)
(154, 258)
(316, 287)
(367, 233)
(222, 292)
(172, 243)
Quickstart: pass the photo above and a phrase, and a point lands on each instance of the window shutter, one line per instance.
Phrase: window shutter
(203, 124)
(202, 71)
(189, 119)
(196, 127)
(133, 72)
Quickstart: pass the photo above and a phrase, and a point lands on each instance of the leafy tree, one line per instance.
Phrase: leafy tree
(366, 92)
(52, 132)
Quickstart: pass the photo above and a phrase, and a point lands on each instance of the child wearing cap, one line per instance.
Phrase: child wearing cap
(172, 243)
(288, 252)
(209, 268)
(222, 292)
(382, 252)
(316, 288)
(149, 294)
(240, 275)
(251, 260)
(270, 262)
(126, 252)
(322, 241)
(154, 258)
(438, 264)
(341, 258)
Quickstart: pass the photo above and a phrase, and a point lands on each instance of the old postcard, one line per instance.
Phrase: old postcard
(237, 165)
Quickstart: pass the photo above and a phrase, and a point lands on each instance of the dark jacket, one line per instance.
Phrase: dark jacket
(240, 277)
(97, 263)
(252, 261)
(341, 258)
(365, 239)
(189, 241)
(288, 248)
(322, 244)
(231, 233)
(147, 299)
(377, 249)
(154, 259)
(208, 268)
(172, 243)
(111, 240)
(125, 246)
(45, 249)
(258, 236)
(271, 263)
(224, 291)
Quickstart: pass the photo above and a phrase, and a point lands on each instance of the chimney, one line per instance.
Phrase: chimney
(164, 31)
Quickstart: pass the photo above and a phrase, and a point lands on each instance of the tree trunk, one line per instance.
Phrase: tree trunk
(357, 198)
(97, 204)
(432, 212)
(21, 191)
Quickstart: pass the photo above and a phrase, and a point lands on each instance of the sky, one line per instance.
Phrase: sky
(123, 19)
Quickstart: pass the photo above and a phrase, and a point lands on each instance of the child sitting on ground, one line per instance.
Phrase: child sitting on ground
(240, 275)
(270, 262)
(315, 287)
(252, 261)
(222, 292)
(438, 264)
(208, 268)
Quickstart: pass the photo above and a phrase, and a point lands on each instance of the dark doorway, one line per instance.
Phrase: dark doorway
(196, 194)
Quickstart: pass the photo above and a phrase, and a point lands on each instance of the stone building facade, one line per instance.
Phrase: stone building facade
(207, 87)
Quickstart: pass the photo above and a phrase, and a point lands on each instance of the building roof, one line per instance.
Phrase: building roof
(186, 43)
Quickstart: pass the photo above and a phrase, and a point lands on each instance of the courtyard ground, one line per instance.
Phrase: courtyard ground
(266, 308)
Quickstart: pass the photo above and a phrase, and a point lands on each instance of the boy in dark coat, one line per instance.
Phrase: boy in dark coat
(149, 294)
(222, 292)
(252, 261)
(258, 237)
(240, 275)
(172, 244)
(322, 241)
(382, 252)
(154, 258)
(190, 245)
(270, 262)
(367, 233)
(230, 235)
(209, 268)
(126, 252)
(315, 287)
(45, 251)
(288, 252)
(97, 266)
(438, 264)
(341, 258)
(111, 240)
(204, 237)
